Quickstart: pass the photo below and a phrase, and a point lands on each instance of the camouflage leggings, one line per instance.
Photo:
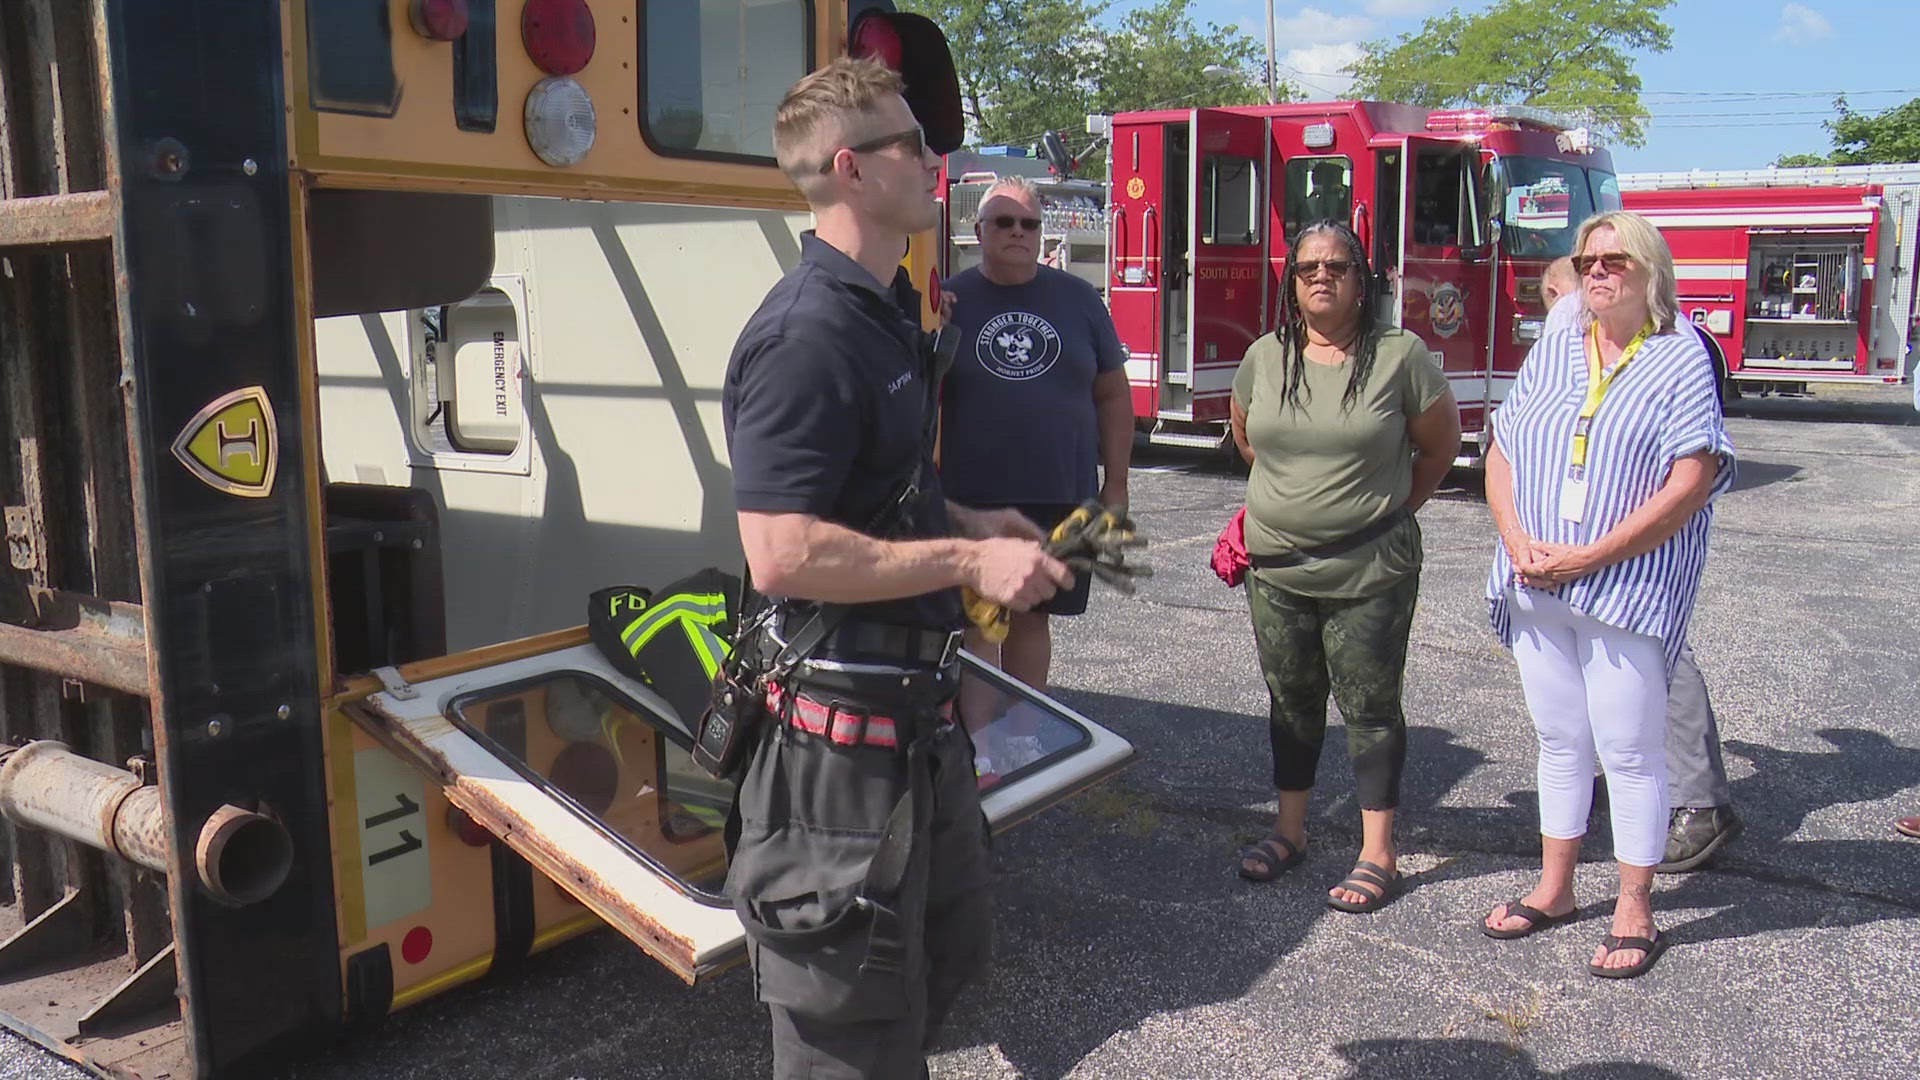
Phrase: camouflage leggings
(1358, 649)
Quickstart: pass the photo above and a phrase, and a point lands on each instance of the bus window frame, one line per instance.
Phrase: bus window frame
(808, 63)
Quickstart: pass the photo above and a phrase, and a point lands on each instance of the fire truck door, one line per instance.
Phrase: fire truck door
(1136, 239)
(1229, 162)
(587, 775)
(1447, 273)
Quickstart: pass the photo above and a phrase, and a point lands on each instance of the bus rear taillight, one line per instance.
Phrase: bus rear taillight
(558, 34)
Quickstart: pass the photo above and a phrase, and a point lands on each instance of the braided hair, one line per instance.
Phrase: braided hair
(1292, 325)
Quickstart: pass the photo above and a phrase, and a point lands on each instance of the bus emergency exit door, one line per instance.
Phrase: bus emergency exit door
(586, 774)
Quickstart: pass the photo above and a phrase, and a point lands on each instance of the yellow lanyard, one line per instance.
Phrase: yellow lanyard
(1597, 387)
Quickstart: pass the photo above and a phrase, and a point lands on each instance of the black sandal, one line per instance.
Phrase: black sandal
(1537, 920)
(1273, 860)
(1364, 874)
(1653, 947)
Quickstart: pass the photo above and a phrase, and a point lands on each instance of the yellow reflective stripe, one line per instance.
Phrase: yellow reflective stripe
(701, 607)
(707, 644)
(1597, 387)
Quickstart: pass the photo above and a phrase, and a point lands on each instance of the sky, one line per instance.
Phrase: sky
(1745, 81)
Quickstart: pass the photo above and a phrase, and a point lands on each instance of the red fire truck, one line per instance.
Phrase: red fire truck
(1802, 275)
(1461, 211)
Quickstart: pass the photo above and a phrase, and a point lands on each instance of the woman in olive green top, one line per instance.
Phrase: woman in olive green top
(1348, 426)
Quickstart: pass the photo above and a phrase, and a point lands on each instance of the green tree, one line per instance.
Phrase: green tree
(1032, 66)
(1891, 135)
(1025, 66)
(1888, 136)
(1158, 57)
(1572, 56)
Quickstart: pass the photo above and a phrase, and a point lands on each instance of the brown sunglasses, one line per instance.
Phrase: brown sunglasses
(1613, 262)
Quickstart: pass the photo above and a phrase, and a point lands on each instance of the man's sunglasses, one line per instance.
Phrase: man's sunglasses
(913, 138)
(1613, 262)
(1008, 221)
(1311, 268)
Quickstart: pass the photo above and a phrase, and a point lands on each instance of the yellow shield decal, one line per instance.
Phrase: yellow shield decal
(232, 445)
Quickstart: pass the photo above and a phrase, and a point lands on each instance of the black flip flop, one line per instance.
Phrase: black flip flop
(1537, 921)
(1653, 947)
(1267, 852)
(1366, 873)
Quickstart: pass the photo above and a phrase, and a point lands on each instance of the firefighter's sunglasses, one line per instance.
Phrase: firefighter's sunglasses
(1613, 262)
(913, 138)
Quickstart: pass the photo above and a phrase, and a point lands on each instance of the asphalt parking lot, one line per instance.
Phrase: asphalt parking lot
(1129, 949)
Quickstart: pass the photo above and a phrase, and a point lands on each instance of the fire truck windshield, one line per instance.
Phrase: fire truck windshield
(1544, 202)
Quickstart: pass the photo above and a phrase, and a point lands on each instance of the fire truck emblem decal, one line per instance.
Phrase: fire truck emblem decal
(232, 445)
(1018, 346)
(1449, 309)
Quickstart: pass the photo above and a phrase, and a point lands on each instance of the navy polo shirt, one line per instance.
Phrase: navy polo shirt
(826, 402)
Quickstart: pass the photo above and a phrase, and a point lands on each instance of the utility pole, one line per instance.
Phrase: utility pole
(1272, 93)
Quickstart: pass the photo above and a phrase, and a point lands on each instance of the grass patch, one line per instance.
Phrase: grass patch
(1131, 810)
(1515, 1020)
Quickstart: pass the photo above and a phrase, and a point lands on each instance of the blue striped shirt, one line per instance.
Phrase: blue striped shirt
(1662, 407)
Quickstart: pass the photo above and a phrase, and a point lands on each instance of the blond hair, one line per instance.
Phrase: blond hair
(1640, 239)
(822, 112)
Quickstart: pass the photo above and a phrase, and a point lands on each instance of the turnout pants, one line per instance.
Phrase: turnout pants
(857, 976)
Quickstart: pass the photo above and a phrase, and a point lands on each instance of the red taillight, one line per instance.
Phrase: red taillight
(438, 20)
(875, 37)
(558, 34)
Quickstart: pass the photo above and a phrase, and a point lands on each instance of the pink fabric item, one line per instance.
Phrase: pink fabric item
(1230, 551)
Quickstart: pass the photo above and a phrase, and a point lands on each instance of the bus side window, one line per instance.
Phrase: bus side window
(1318, 189)
(712, 74)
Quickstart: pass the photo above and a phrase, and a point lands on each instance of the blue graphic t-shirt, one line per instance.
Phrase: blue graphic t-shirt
(1019, 424)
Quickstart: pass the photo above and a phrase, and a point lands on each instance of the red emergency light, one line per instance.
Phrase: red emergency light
(875, 36)
(558, 34)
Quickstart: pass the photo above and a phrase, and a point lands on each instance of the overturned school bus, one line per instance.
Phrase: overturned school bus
(348, 346)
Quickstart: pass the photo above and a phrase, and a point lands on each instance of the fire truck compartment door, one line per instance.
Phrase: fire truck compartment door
(1228, 167)
(586, 774)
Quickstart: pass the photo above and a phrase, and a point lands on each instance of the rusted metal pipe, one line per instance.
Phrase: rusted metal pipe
(82, 637)
(240, 857)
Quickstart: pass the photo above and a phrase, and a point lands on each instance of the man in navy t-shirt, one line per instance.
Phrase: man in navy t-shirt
(1034, 410)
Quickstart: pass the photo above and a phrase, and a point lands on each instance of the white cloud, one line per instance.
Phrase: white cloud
(1800, 24)
(1318, 71)
(1397, 9)
(1311, 26)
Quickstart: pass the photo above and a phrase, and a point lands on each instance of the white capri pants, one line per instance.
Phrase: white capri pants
(1594, 687)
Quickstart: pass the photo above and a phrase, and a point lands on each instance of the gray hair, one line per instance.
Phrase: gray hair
(1640, 239)
(1017, 187)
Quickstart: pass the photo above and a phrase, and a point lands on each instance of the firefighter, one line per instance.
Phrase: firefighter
(860, 868)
